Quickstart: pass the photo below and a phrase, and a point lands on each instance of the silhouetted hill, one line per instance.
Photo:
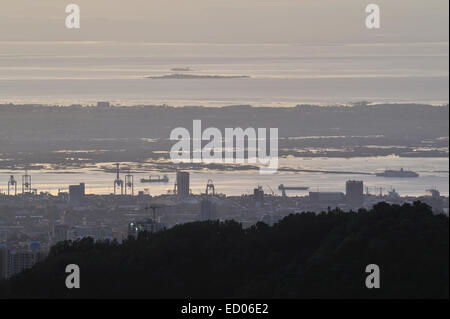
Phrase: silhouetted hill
(303, 256)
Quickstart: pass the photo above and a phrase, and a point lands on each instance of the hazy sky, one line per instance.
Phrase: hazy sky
(222, 21)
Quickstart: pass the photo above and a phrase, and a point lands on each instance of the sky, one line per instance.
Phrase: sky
(225, 21)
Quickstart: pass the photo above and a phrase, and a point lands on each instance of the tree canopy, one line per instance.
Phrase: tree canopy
(304, 255)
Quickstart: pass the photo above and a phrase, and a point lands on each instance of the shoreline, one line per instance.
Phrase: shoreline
(36, 102)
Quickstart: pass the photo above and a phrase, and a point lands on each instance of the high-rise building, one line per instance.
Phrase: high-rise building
(208, 210)
(183, 184)
(23, 258)
(258, 197)
(60, 232)
(76, 194)
(354, 193)
(3, 261)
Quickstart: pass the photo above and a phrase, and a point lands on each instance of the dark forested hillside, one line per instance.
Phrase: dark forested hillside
(303, 256)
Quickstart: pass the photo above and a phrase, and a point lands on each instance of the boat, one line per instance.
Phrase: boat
(297, 188)
(400, 173)
(156, 179)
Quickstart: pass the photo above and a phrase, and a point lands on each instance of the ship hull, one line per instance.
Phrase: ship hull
(397, 176)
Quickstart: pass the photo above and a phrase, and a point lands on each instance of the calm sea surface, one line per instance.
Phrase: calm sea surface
(280, 74)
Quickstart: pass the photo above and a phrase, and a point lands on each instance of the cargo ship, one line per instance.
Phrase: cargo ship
(156, 179)
(291, 188)
(400, 173)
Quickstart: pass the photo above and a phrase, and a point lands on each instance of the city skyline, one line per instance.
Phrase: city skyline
(251, 151)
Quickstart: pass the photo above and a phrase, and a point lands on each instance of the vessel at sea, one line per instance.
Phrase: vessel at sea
(156, 179)
(297, 188)
(400, 173)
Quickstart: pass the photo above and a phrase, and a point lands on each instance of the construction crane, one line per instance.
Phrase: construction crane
(273, 193)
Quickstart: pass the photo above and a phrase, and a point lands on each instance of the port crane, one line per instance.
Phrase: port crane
(210, 187)
(12, 184)
(129, 183)
(376, 189)
(26, 183)
(118, 183)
